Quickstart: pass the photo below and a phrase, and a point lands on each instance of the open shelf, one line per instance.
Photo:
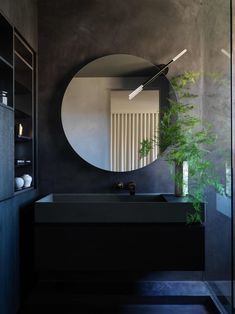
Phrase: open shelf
(17, 106)
(24, 111)
(4, 61)
(23, 165)
(23, 76)
(23, 51)
(6, 82)
(23, 138)
(6, 39)
(23, 190)
(19, 114)
(20, 89)
(6, 109)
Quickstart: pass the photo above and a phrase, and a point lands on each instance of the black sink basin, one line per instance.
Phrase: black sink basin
(112, 208)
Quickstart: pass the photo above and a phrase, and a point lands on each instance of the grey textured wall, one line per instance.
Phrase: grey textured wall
(71, 33)
(23, 15)
(14, 212)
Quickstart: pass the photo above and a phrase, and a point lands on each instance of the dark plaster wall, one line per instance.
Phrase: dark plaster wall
(15, 215)
(71, 33)
(23, 15)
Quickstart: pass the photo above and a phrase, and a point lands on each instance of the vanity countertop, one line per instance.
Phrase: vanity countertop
(113, 208)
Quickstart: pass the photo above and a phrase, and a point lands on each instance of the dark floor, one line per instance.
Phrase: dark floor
(129, 309)
(98, 295)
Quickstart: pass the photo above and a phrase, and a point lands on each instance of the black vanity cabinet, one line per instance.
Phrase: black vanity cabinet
(68, 237)
(147, 247)
(24, 108)
(6, 110)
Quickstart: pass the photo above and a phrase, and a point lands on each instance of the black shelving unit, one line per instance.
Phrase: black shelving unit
(17, 109)
(23, 138)
(24, 96)
(6, 110)
(6, 62)
(6, 47)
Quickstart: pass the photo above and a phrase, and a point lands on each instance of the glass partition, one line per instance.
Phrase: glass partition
(216, 111)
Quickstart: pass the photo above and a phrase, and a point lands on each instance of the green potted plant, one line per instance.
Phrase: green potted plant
(181, 137)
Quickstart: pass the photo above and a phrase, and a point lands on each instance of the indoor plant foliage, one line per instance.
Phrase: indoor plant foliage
(182, 137)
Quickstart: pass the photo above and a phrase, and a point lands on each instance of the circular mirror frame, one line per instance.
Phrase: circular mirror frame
(133, 67)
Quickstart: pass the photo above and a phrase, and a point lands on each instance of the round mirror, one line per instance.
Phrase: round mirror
(100, 122)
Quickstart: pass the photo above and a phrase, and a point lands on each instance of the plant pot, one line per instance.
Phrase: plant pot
(181, 179)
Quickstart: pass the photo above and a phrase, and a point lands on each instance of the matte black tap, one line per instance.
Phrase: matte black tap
(131, 187)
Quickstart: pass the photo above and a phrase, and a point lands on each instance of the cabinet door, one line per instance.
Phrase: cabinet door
(6, 153)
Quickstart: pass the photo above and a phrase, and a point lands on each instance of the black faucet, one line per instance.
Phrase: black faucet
(130, 186)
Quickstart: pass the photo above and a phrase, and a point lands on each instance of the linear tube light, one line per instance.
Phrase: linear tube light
(142, 86)
(226, 53)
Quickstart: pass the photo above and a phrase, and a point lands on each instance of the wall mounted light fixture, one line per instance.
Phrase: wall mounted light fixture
(226, 53)
(141, 87)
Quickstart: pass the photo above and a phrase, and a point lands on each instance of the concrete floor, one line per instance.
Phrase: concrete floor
(98, 297)
(129, 309)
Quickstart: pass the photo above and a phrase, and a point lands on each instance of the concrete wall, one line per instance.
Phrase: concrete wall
(23, 15)
(72, 33)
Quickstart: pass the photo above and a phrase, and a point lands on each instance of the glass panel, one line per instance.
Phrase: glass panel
(217, 113)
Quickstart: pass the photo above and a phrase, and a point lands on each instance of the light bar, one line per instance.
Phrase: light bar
(179, 55)
(136, 92)
(141, 87)
(226, 53)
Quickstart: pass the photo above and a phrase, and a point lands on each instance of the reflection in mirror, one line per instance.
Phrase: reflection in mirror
(131, 122)
(101, 124)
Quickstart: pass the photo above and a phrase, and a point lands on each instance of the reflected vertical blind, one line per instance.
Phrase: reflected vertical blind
(131, 122)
